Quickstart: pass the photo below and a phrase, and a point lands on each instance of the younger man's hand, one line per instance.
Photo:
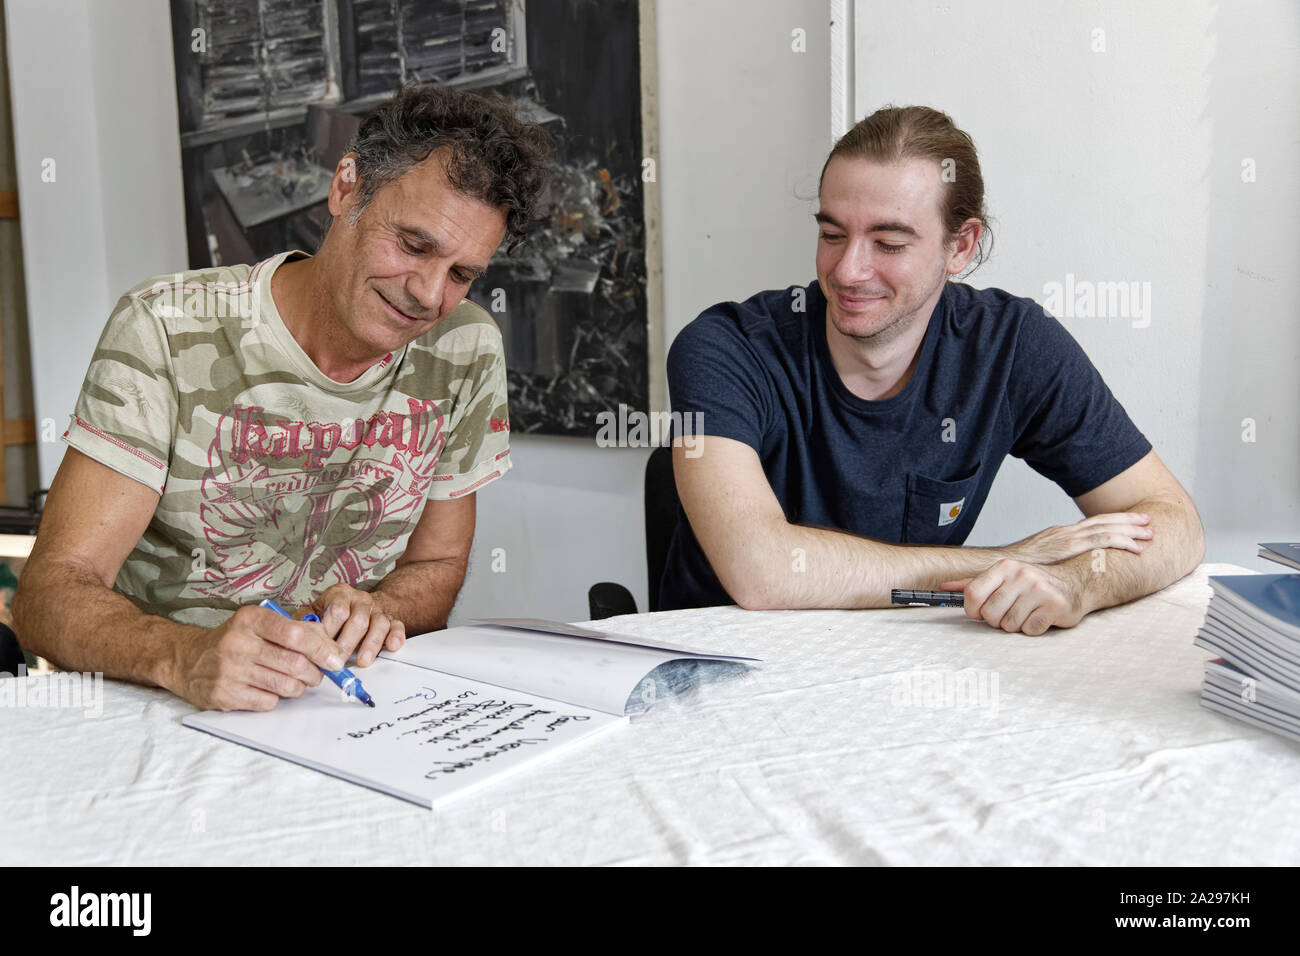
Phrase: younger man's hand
(1028, 598)
(1127, 531)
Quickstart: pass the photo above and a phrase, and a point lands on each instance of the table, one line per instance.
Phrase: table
(906, 736)
(16, 546)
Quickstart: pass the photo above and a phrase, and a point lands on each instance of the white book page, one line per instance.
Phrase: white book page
(430, 737)
(554, 627)
(599, 674)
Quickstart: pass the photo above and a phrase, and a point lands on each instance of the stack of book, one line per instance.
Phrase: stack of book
(1253, 624)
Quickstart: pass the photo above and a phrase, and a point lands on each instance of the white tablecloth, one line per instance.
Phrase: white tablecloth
(908, 736)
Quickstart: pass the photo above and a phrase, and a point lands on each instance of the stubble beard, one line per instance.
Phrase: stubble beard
(892, 329)
(895, 325)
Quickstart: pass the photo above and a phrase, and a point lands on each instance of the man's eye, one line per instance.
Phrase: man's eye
(888, 248)
(831, 236)
(409, 249)
(462, 278)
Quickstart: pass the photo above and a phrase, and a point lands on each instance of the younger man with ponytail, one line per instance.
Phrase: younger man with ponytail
(852, 428)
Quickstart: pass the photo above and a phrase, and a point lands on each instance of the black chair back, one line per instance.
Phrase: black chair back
(11, 655)
(610, 599)
(661, 506)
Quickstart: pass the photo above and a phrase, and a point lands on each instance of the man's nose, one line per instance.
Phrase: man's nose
(426, 287)
(856, 264)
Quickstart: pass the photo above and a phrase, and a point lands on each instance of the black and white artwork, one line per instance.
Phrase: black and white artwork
(270, 92)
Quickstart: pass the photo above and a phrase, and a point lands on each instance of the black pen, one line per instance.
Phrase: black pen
(910, 598)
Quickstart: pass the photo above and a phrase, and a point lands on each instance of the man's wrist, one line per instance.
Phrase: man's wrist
(1085, 579)
(1011, 552)
(391, 603)
(984, 558)
(383, 603)
(164, 668)
(420, 594)
(1023, 551)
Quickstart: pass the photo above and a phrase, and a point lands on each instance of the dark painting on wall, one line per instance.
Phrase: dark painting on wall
(270, 92)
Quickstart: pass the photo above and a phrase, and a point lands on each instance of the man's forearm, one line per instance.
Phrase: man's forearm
(793, 566)
(64, 613)
(1112, 576)
(421, 594)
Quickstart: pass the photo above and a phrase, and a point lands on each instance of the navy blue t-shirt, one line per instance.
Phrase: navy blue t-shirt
(996, 376)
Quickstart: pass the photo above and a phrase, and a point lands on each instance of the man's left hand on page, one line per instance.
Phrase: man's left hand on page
(356, 621)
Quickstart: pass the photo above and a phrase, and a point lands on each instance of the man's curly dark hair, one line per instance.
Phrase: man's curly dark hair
(494, 157)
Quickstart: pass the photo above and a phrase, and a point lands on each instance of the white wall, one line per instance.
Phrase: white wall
(744, 129)
(567, 515)
(1124, 164)
(93, 90)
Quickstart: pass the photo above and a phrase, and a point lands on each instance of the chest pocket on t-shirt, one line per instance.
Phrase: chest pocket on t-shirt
(936, 510)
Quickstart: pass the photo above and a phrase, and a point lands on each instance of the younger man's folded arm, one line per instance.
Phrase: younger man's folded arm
(764, 562)
(1176, 548)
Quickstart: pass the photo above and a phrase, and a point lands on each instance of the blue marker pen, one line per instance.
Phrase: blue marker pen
(348, 682)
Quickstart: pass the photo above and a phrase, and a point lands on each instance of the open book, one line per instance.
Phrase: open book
(458, 708)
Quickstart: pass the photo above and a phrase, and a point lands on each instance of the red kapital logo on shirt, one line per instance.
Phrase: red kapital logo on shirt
(252, 438)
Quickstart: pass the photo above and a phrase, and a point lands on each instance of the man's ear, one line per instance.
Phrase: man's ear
(964, 245)
(343, 186)
(347, 168)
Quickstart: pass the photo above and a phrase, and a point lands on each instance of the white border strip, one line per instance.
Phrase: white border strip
(843, 115)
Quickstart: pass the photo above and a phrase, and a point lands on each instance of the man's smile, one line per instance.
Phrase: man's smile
(856, 303)
(396, 311)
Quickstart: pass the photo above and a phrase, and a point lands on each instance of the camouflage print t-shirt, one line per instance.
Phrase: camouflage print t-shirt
(277, 481)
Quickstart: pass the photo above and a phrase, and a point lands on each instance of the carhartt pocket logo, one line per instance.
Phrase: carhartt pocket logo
(949, 510)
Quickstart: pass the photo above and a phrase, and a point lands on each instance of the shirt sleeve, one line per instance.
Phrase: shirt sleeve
(715, 377)
(478, 439)
(1068, 425)
(125, 416)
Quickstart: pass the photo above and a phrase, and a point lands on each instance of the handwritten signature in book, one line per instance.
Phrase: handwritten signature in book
(428, 693)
